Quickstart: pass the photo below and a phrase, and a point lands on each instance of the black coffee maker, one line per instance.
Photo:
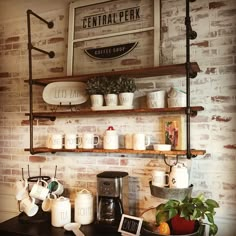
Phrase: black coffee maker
(112, 197)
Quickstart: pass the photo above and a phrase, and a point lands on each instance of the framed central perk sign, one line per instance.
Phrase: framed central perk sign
(113, 35)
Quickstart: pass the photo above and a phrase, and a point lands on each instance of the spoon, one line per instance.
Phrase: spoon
(74, 227)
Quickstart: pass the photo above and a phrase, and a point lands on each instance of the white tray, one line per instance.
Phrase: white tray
(110, 108)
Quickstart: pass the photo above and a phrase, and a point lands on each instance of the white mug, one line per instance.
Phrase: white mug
(159, 178)
(28, 206)
(179, 176)
(21, 189)
(70, 141)
(55, 187)
(38, 191)
(55, 141)
(128, 141)
(140, 141)
(88, 140)
(47, 202)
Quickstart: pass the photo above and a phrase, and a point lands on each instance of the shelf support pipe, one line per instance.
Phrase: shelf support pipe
(189, 35)
(51, 54)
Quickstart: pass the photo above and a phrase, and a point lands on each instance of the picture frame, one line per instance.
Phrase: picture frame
(130, 225)
(173, 132)
(138, 35)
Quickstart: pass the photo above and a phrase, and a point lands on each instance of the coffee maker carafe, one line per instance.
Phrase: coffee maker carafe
(112, 197)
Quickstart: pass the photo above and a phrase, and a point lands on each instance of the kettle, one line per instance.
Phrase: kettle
(179, 176)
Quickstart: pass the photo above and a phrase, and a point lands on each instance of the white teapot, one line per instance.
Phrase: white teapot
(179, 176)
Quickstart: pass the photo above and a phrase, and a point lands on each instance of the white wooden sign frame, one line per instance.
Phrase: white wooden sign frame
(72, 41)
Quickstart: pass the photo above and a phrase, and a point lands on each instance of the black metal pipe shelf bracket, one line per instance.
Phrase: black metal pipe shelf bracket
(51, 54)
(190, 35)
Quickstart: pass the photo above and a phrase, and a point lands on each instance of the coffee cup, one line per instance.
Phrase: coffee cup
(28, 206)
(159, 178)
(38, 191)
(88, 140)
(55, 187)
(128, 141)
(70, 141)
(55, 141)
(140, 141)
(21, 189)
(47, 202)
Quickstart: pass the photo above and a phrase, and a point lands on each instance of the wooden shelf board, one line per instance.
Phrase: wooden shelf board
(91, 112)
(126, 151)
(177, 69)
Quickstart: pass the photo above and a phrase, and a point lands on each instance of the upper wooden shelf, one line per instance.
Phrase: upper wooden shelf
(177, 69)
(81, 112)
(126, 151)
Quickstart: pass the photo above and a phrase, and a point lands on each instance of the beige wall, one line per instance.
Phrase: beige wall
(213, 129)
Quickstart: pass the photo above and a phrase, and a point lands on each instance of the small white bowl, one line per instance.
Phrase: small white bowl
(162, 147)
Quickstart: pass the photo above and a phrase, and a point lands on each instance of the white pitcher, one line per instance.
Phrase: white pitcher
(179, 176)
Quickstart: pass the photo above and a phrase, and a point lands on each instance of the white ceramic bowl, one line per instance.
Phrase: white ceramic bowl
(162, 147)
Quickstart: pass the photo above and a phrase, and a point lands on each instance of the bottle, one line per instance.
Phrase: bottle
(84, 209)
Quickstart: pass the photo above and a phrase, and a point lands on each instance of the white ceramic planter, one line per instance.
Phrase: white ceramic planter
(126, 99)
(96, 100)
(111, 99)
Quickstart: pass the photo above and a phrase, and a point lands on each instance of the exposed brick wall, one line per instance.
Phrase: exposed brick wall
(213, 129)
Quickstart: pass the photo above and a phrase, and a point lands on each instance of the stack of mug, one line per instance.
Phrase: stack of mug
(47, 193)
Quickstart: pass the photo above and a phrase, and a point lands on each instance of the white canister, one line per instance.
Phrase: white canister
(84, 210)
(61, 212)
(111, 140)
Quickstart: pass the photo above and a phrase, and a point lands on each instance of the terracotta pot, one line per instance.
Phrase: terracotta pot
(182, 226)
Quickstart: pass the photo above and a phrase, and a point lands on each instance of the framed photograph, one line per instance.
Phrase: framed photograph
(173, 130)
(106, 35)
(130, 225)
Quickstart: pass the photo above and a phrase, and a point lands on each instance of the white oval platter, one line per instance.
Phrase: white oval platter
(65, 93)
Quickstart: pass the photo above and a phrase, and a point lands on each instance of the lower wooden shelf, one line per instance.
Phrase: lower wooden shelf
(127, 151)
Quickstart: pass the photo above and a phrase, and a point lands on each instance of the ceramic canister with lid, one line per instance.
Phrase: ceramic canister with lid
(111, 140)
(61, 212)
(84, 209)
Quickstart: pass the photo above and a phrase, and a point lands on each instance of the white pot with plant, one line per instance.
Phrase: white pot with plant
(94, 89)
(127, 87)
(110, 91)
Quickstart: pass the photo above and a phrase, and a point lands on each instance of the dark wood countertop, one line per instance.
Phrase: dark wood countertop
(18, 227)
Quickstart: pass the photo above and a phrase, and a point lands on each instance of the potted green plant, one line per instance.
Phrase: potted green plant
(110, 91)
(95, 88)
(184, 214)
(127, 87)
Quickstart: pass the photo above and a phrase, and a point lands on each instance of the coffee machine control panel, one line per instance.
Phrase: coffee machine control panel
(108, 188)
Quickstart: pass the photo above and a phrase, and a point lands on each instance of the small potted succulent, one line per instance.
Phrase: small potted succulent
(110, 91)
(95, 88)
(185, 217)
(127, 87)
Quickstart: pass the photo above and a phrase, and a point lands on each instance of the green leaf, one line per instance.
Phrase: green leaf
(196, 214)
(172, 213)
(209, 217)
(162, 217)
(212, 203)
(213, 229)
